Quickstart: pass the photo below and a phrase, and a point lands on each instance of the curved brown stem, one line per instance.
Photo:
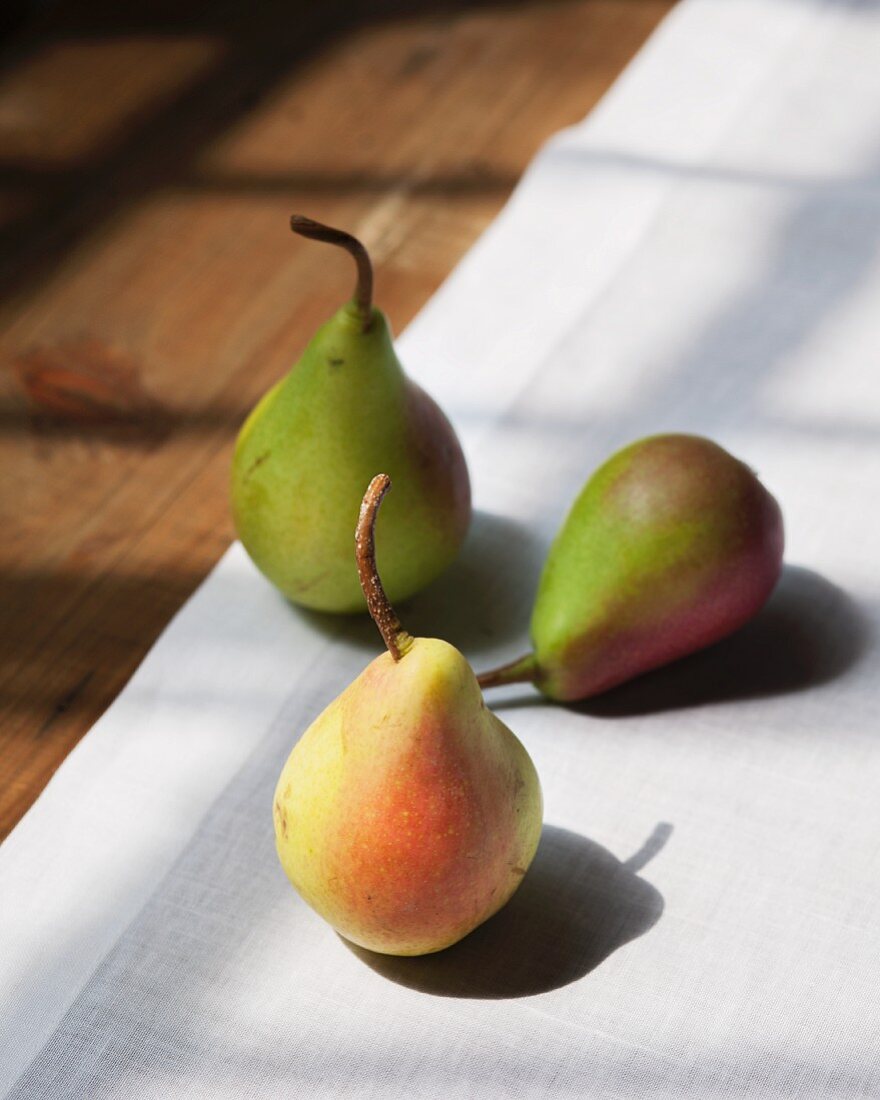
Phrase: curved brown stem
(384, 616)
(363, 290)
(523, 670)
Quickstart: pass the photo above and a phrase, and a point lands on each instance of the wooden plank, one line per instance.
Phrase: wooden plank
(150, 163)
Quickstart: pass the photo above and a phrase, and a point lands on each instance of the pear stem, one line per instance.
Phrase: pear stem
(523, 670)
(363, 289)
(384, 616)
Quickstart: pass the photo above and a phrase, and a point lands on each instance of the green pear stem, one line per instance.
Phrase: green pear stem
(384, 616)
(521, 671)
(363, 290)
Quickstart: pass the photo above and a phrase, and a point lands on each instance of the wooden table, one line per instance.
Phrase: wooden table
(154, 291)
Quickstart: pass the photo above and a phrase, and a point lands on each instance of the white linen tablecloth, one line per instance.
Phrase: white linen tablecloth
(703, 918)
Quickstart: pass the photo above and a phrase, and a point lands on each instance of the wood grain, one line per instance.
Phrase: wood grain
(153, 290)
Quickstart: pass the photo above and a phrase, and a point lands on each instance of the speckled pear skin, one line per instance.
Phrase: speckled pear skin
(311, 444)
(672, 544)
(407, 813)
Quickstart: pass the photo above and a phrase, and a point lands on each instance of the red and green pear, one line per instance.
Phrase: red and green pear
(316, 438)
(671, 545)
(407, 814)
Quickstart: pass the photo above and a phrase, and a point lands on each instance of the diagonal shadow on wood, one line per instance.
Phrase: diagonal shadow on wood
(262, 45)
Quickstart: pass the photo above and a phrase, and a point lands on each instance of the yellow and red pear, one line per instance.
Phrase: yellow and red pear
(407, 814)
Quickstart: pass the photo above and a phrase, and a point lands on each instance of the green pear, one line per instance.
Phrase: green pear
(407, 813)
(672, 544)
(315, 439)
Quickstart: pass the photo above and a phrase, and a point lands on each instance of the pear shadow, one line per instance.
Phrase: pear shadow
(356, 628)
(809, 633)
(484, 598)
(576, 906)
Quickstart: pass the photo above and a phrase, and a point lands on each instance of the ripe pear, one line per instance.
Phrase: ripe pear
(314, 440)
(672, 544)
(407, 813)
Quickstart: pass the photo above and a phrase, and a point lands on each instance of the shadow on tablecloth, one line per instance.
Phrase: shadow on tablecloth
(577, 905)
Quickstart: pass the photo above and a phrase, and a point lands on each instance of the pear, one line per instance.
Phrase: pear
(310, 445)
(672, 544)
(407, 813)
